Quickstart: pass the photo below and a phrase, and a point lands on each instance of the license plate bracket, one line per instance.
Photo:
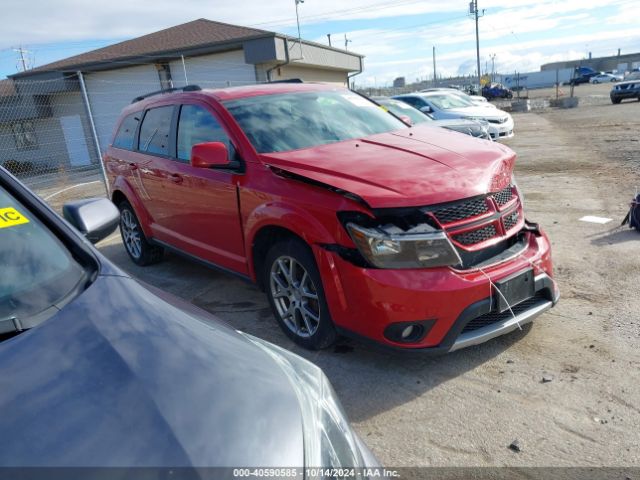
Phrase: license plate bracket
(515, 289)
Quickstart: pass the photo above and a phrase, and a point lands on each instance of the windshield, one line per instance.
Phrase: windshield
(400, 108)
(448, 101)
(278, 123)
(37, 270)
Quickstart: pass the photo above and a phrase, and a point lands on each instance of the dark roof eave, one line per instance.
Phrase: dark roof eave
(164, 55)
(171, 54)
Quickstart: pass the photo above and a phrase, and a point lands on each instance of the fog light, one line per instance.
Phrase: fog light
(407, 331)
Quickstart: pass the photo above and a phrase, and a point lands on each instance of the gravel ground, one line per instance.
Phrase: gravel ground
(567, 387)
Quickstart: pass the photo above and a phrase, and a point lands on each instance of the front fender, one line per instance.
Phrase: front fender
(122, 186)
(311, 228)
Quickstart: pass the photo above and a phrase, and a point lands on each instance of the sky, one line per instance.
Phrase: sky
(396, 36)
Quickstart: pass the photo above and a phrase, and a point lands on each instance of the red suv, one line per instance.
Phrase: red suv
(350, 220)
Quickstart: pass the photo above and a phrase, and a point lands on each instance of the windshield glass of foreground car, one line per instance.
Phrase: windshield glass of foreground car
(278, 123)
(446, 102)
(37, 270)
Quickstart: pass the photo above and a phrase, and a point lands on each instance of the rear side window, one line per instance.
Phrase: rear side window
(198, 125)
(154, 132)
(127, 131)
(414, 102)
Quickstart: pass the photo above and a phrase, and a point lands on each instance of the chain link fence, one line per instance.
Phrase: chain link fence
(46, 141)
(53, 131)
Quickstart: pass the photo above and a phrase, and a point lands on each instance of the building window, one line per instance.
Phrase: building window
(25, 136)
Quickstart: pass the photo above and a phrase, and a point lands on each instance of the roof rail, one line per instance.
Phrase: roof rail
(186, 88)
(288, 80)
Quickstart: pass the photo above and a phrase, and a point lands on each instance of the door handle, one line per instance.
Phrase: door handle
(175, 178)
(133, 166)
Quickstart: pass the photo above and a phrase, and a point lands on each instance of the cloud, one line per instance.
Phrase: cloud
(522, 33)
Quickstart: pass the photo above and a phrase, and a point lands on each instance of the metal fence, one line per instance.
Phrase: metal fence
(52, 131)
(46, 140)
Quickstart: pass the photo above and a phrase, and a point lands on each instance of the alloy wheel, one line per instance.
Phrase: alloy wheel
(295, 296)
(131, 233)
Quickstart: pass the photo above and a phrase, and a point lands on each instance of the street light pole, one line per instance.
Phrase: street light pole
(435, 81)
(298, 23)
(493, 67)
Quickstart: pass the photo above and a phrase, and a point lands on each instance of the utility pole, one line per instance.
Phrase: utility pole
(473, 10)
(298, 23)
(346, 42)
(23, 61)
(434, 67)
(329, 37)
(493, 67)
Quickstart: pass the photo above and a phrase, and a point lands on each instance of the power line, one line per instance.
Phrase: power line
(325, 15)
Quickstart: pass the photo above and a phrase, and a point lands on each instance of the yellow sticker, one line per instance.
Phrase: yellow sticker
(10, 217)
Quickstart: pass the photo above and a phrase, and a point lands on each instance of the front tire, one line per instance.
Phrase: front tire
(294, 289)
(140, 251)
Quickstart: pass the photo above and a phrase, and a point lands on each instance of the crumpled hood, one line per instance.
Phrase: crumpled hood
(419, 166)
(121, 378)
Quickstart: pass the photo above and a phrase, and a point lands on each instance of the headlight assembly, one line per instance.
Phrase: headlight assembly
(390, 247)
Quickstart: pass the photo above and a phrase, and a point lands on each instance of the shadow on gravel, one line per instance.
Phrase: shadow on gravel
(368, 380)
(615, 236)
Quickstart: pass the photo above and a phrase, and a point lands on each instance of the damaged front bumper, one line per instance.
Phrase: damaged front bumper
(443, 303)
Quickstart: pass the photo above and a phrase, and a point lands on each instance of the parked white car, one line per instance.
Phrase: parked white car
(443, 105)
(477, 99)
(605, 78)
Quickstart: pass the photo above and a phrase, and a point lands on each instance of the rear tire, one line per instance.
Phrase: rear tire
(294, 289)
(140, 251)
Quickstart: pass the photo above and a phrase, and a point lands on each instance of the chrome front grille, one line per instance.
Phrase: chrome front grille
(472, 222)
(510, 220)
(461, 211)
(504, 196)
(476, 236)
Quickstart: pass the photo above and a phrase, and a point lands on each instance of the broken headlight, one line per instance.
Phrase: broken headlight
(391, 247)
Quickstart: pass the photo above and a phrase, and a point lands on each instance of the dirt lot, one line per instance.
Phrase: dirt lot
(464, 409)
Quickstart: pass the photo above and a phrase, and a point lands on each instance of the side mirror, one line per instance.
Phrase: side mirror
(426, 109)
(210, 155)
(95, 218)
(406, 119)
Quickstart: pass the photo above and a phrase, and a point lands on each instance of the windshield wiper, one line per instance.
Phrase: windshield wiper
(10, 324)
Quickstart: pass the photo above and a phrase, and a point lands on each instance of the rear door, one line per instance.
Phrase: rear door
(156, 148)
(121, 159)
(204, 217)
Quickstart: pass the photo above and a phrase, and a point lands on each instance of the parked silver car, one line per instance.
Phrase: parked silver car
(475, 128)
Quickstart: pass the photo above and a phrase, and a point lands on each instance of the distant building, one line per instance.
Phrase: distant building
(621, 63)
(399, 82)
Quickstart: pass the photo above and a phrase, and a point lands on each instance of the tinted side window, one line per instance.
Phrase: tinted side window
(198, 125)
(154, 132)
(414, 101)
(127, 131)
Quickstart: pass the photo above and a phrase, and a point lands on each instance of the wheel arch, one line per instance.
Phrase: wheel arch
(122, 191)
(272, 223)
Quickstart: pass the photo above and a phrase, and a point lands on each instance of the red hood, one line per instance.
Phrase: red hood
(418, 166)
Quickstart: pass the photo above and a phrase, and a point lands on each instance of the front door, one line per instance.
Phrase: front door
(202, 214)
